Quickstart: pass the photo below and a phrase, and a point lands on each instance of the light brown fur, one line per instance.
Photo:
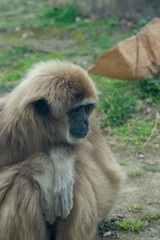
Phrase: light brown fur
(23, 133)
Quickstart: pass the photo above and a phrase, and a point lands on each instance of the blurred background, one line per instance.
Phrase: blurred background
(128, 111)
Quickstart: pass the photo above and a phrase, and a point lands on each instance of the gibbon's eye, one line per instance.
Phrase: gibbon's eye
(88, 108)
(42, 107)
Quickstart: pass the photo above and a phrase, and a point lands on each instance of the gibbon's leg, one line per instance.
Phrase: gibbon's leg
(21, 216)
(81, 224)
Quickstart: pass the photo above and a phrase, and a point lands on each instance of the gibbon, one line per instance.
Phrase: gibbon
(58, 178)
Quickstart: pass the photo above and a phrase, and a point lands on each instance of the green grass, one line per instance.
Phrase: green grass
(135, 207)
(134, 174)
(106, 226)
(65, 13)
(123, 163)
(117, 108)
(32, 14)
(136, 133)
(16, 60)
(4, 88)
(116, 103)
(131, 225)
(150, 202)
(151, 88)
(121, 106)
(151, 216)
(151, 168)
(140, 23)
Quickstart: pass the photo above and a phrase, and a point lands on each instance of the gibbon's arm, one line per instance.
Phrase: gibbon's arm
(57, 184)
(63, 165)
(22, 205)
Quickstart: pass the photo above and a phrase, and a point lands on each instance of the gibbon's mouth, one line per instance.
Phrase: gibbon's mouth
(79, 134)
(76, 137)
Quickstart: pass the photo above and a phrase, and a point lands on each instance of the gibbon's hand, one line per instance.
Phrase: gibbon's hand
(63, 181)
(57, 189)
(45, 179)
(58, 202)
(48, 206)
(64, 198)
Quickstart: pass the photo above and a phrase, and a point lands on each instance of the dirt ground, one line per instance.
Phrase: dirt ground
(143, 190)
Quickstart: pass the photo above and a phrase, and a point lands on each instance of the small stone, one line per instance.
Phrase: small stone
(107, 234)
(27, 34)
(148, 110)
(141, 156)
(17, 29)
(157, 115)
(120, 215)
(77, 19)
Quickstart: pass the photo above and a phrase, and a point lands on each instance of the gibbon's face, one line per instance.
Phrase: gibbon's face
(78, 122)
(63, 95)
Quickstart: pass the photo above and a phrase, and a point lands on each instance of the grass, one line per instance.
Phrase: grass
(33, 14)
(116, 103)
(136, 133)
(151, 216)
(150, 202)
(151, 168)
(134, 174)
(135, 207)
(117, 108)
(151, 88)
(123, 163)
(66, 13)
(107, 226)
(16, 60)
(132, 225)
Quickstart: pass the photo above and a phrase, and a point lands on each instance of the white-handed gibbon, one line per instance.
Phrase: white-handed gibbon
(59, 168)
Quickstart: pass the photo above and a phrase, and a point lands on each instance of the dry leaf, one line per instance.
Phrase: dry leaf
(134, 58)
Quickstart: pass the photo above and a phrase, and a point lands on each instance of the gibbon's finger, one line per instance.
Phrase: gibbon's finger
(58, 205)
(64, 203)
(48, 211)
(66, 206)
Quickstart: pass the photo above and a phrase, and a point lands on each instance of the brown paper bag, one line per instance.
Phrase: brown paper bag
(137, 57)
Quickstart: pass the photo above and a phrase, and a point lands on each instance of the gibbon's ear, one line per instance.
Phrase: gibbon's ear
(42, 107)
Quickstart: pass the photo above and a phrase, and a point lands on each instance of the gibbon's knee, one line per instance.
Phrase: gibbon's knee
(82, 221)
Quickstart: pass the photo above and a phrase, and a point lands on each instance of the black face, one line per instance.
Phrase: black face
(79, 125)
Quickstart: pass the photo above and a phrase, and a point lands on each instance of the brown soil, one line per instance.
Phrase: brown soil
(143, 190)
